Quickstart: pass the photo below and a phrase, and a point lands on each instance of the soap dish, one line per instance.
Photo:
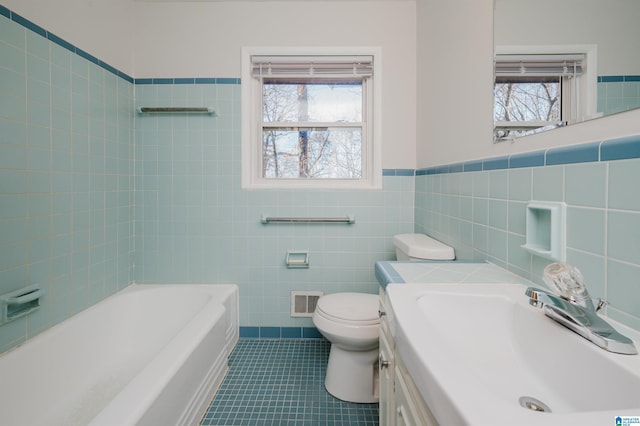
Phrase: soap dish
(545, 235)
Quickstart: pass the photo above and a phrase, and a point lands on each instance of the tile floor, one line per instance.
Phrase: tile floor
(281, 382)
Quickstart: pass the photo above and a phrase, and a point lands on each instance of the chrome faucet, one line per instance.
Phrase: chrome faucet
(574, 309)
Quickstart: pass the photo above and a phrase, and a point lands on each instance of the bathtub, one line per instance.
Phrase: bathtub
(148, 355)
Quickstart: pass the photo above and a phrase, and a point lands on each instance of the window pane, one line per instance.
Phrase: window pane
(318, 153)
(527, 101)
(304, 101)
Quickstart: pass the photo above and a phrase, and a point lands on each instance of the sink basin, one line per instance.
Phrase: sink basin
(480, 354)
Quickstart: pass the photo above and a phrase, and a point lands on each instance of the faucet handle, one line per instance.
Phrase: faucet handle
(567, 281)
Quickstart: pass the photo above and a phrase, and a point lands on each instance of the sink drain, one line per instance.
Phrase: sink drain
(534, 404)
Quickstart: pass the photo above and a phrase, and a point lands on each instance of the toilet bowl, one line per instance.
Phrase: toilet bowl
(350, 322)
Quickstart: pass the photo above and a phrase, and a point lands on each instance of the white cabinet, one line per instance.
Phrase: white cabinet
(400, 400)
(406, 412)
(411, 410)
(386, 367)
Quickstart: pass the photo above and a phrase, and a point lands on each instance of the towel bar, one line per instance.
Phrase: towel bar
(203, 110)
(347, 220)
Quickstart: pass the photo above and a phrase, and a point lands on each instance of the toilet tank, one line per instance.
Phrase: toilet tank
(421, 247)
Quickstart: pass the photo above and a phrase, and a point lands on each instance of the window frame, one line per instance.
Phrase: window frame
(251, 126)
(579, 95)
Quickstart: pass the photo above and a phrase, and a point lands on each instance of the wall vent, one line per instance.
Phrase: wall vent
(303, 303)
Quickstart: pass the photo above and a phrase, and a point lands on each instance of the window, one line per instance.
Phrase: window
(308, 120)
(540, 91)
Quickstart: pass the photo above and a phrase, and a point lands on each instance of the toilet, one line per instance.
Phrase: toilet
(351, 323)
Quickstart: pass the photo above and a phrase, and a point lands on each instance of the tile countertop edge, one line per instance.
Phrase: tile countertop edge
(386, 274)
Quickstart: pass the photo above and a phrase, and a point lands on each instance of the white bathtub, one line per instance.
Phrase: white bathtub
(148, 355)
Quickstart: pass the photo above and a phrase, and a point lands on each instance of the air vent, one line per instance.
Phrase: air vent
(303, 303)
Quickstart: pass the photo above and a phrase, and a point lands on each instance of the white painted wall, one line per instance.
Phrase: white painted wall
(198, 39)
(204, 39)
(428, 120)
(455, 120)
(610, 24)
(103, 28)
(455, 75)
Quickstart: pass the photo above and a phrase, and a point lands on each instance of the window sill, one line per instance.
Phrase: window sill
(333, 185)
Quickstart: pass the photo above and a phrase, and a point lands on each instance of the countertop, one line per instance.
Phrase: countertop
(391, 272)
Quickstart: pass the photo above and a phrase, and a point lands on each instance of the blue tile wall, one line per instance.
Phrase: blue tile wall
(280, 332)
(69, 185)
(195, 224)
(617, 93)
(481, 213)
(573, 154)
(66, 188)
(530, 159)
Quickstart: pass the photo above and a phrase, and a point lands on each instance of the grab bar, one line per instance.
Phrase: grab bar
(348, 220)
(204, 110)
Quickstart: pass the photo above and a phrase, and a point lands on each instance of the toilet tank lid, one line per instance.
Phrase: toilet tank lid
(422, 246)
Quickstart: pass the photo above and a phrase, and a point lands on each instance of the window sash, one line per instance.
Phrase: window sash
(318, 126)
(360, 125)
(310, 124)
(327, 171)
(321, 81)
(542, 68)
(504, 130)
(370, 121)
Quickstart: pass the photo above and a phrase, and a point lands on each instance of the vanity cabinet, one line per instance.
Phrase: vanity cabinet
(386, 366)
(410, 408)
(400, 401)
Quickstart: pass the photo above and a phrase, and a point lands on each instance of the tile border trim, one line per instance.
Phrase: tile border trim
(617, 78)
(260, 332)
(622, 148)
(398, 172)
(20, 20)
(188, 80)
(29, 25)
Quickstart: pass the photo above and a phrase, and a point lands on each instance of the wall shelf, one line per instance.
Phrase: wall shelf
(545, 235)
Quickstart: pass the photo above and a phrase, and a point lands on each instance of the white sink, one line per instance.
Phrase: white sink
(476, 351)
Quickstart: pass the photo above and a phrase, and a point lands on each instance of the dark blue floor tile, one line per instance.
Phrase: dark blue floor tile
(281, 382)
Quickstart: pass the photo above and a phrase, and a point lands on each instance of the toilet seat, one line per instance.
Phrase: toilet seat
(359, 309)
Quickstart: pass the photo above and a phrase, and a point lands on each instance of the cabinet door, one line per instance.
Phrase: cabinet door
(406, 413)
(411, 408)
(386, 368)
